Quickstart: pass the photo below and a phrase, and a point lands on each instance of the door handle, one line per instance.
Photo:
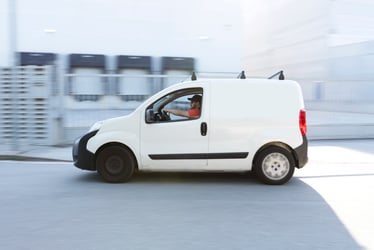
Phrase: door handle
(203, 128)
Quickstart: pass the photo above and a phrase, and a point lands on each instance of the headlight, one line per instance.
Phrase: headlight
(96, 126)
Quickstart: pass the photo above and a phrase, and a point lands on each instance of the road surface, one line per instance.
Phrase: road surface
(327, 205)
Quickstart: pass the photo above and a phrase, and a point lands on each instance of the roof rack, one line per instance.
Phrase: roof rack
(242, 75)
(280, 73)
(193, 77)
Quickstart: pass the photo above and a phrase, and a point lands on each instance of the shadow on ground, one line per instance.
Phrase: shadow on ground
(225, 211)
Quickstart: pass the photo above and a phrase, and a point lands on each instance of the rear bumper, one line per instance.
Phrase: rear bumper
(301, 153)
(83, 158)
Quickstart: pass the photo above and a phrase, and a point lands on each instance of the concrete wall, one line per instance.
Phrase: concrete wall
(325, 45)
(350, 21)
(288, 35)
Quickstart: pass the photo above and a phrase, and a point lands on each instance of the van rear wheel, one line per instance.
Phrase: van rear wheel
(115, 164)
(274, 165)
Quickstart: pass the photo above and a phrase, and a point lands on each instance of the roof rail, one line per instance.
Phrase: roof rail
(280, 73)
(242, 75)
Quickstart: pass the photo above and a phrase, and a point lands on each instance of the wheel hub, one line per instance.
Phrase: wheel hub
(114, 165)
(276, 166)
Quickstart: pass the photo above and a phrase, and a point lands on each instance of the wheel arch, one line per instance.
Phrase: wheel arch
(277, 144)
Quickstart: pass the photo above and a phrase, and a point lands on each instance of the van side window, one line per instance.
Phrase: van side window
(181, 105)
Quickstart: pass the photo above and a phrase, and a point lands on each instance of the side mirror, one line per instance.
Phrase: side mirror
(149, 116)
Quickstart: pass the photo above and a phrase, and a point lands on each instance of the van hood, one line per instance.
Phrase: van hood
(104, 123)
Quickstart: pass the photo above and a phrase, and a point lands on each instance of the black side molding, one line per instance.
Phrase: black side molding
(204, 156)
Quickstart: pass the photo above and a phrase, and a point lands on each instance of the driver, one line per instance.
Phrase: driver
(193, 112)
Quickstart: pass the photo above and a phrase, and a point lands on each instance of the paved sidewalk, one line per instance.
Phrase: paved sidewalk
(39, 153)
(321, 126)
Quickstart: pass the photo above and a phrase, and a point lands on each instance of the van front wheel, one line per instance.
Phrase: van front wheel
(115, 164)
(274, 165)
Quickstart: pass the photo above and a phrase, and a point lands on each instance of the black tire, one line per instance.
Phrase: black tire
(274, 165)
(115, 164)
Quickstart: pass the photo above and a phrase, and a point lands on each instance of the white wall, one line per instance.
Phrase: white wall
(5, 49)
(326, 45)
(287, 34)
(351, 21)
(299, 35)
(208, 30)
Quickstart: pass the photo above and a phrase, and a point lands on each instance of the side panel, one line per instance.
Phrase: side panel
(128, 139)
(249, 114)
(173, 145)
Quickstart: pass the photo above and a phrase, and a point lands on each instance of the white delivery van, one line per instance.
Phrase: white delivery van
(254, 125)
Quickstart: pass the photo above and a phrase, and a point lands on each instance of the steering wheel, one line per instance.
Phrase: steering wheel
(158, 117)
(165, 115)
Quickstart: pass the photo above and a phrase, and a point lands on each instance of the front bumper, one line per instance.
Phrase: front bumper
(301, 153)
(83, 158)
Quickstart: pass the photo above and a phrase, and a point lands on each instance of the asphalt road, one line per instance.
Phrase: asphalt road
(327, 205)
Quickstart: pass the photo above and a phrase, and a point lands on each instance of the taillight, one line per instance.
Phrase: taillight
(302, 121)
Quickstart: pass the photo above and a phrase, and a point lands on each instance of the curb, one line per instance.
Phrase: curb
(28, 158)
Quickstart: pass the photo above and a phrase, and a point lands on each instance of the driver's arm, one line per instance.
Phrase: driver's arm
(178, 112)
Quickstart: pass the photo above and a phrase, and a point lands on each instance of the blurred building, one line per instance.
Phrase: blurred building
(327, 45)
(108, 56)
(205, 30)
(103, 58)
